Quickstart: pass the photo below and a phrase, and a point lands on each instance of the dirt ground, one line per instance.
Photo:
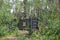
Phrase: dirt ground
(21, 32)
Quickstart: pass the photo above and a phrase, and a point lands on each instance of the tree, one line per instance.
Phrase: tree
(6, 19)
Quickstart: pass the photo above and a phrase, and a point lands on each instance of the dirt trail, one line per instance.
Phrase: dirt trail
(11, 38)
(15, 38)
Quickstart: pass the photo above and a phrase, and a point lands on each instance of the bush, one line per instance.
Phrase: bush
(6, 22)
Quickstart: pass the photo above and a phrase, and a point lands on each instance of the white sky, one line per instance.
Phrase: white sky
(21, 0)
(13, 6)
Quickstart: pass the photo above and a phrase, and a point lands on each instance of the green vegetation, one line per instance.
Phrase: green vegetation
(48, 15)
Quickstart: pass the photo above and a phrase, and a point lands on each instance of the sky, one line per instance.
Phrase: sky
(14, 5)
